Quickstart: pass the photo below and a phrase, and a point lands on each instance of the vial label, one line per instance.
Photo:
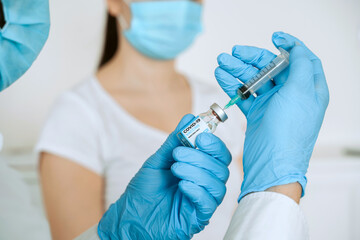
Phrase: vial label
(188, 134)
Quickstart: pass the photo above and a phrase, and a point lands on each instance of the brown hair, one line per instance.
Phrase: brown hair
(111, 40)
(2, 18)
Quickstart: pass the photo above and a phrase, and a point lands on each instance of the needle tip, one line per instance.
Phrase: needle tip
(232, 102)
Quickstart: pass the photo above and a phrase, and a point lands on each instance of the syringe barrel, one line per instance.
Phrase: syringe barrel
(266, 74)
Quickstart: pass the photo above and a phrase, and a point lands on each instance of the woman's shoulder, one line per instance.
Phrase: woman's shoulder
(80, 100)
(84, 92)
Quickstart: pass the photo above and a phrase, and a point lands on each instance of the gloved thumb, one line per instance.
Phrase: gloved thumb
(301, 73)
(163, 159)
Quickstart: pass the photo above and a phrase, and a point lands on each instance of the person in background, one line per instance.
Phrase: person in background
(190, 184)
(178, 178)
(98, 135)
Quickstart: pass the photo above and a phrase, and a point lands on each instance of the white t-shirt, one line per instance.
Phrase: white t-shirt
(88, 127)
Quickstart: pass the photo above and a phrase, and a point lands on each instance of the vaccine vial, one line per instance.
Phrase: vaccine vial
(205, 122)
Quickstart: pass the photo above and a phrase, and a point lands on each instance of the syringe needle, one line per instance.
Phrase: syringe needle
(232, 101)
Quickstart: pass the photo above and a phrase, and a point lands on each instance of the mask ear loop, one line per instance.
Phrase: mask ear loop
(123, 23)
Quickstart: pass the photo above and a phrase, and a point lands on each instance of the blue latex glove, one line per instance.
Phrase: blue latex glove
(22, 38)
(284, 120)
(174, 194)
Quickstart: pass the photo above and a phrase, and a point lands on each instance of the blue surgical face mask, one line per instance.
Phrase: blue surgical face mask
(163, 29)
(22, 38)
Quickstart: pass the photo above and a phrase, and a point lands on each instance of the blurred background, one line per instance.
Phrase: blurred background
(331, 28)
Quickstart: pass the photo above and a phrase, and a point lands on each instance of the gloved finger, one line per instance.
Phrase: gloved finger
(162, 159)
(202, 160)
(200, 177)
(257, 57)
(301, 77)
(241, 70)
(322, 90)
(213, 146)
(230, 85)
(287, 42)
(236, 67)
(204, 203)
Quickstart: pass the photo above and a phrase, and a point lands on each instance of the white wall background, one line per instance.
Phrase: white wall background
(71, 54)
(330, 27)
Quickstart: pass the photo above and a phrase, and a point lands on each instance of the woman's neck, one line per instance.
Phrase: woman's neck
(130, 70)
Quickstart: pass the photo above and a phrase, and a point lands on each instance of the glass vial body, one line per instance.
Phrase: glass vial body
(211, 119)
(205, 122)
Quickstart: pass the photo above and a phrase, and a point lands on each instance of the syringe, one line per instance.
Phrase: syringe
(269, 72)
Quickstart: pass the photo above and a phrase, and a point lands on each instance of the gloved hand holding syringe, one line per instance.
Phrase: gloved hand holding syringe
(280, 63)
(208, 121)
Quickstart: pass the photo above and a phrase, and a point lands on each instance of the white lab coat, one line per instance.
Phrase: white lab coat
(268, 215)
(263, 215)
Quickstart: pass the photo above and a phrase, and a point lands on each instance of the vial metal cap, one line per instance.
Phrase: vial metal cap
(219, 112)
